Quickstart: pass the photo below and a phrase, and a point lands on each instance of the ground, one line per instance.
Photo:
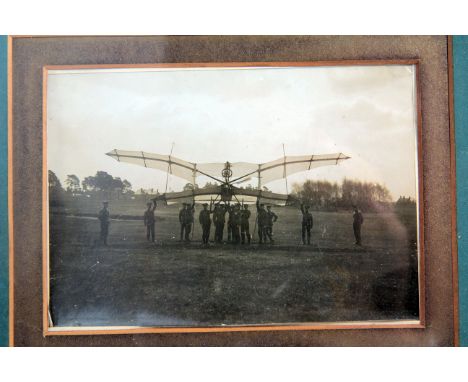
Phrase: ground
(169, 283)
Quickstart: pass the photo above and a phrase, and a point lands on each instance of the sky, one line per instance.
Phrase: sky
(221, 114)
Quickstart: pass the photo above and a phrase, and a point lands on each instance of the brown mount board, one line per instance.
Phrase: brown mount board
(31, 55)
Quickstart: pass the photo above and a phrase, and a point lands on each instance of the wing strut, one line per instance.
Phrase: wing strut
(169, 167)
(284, 173)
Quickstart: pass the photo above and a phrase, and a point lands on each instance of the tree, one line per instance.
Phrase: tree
(55, 187)
(73, 183)
(322, 194)
(127, 187)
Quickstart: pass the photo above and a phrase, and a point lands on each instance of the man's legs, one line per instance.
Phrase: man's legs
(182, 230)
(104, 233)
(188, 229)
(269, 233)
(229, 232)
(308, 234)
(152, 232)
(357, 233)
(261, 233)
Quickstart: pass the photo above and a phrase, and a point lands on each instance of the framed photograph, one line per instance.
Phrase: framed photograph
(232, 196)
(231, 190)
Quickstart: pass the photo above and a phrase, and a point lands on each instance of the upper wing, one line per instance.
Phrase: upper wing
(288, 165)
(168, 163)
(267, 172)
(179, 167)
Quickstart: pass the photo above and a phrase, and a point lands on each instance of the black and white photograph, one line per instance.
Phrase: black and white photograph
(257, 194)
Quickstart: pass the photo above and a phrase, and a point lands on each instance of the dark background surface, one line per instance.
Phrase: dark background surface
(30, 54)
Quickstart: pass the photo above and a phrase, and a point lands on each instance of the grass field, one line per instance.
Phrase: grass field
(169, 283)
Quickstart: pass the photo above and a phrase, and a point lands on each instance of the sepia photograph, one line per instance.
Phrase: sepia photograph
(232, 195)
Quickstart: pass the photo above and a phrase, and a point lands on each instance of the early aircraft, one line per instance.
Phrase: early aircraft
(227, 175)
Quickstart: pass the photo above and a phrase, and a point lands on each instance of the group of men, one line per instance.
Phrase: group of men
(238, 226)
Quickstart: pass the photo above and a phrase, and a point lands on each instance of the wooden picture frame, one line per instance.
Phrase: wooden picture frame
(384, 328)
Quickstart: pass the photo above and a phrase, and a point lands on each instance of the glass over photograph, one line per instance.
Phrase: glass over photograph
(224, 196)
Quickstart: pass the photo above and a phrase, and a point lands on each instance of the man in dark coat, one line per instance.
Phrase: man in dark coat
(307, 223)
(205, 221)
(104, 219)
(245, 229)
(262, 218)
(219, 218)
(150, 220)
(182, 219)
(358, 219)
(271, 218)
(188, 219)
(235, 223)
(230, 211)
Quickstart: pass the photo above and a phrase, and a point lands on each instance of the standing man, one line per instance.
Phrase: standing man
(182, 219)
(262, 221)
(205, 221)
(219, 216)
(358, 219)
(104, 219)
(150, 220)
(245, 229)
(189, 212)
(271, 218)
(235, 223)
(230, 211)
(307, 223)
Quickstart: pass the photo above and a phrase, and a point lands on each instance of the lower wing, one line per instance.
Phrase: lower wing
(221, 194)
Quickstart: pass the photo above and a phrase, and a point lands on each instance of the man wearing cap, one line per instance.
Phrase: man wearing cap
(205, 221)
(262, 222)
(150, 220)
(307, 223)
(358, 219)
(271, 218)
(104, 219)
(245, 229)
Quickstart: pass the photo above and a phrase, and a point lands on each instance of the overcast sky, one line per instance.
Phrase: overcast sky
(216, 115)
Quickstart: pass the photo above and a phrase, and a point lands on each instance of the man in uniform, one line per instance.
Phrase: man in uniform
(219, 216)
(230, 211)
(104, 219)
(205, 221)
(358, 219)
(149, 220)
(182, 219)
(262, 218)
(307, 223)
(271, 218)
(235, 223)
(245, 229)
(189, 212)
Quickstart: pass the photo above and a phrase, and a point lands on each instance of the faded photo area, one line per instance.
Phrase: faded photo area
(231, 196)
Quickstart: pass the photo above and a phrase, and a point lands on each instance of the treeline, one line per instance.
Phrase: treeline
(102, 185)
(325, 195)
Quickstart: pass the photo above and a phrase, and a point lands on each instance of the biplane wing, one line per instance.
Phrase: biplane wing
(266, 172)
(215, 193)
